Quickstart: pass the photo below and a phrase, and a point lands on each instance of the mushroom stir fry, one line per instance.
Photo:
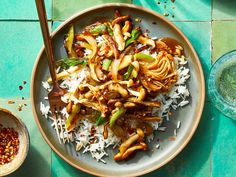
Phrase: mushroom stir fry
(121, 79)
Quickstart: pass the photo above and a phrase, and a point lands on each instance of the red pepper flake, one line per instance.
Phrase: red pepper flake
(172, 1)
(24, 82)
(147, 31)
(92, 133)
(20, 107)
(165, 14)
(172, 138)
(9, 144)
(158, 2)
(20, 87)
(11, 102)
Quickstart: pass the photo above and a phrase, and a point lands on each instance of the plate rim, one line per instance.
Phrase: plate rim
(199, 66)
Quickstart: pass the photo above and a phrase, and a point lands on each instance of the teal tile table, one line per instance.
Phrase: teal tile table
(209, 24)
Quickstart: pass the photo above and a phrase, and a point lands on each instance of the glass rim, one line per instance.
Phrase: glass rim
(213, 92)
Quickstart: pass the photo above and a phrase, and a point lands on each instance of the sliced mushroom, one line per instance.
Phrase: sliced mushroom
(116, 63)
(146, 41)
(66, 73)
(139, 146)
(127, 27)
(140, 94)
(69, 107)
(125, 62)
(119, 37)
(126, 147)
(112, 44)
(120, 19)
(105, 131)
(145, 103)
(100, 75)
(129, 105)
(118, 88)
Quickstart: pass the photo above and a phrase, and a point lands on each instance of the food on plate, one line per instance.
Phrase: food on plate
(121, 83)
(9, 144)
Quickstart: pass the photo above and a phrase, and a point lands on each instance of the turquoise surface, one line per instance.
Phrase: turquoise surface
(22, 9)
(211, 151)
(183, 10)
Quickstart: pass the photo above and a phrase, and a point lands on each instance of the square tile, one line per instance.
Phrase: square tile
(62, 169)
(22, 9)
(224, 38)
(183, 10)
(55, 24)
(38, 161)
(224, 10)
(63, 9)
(224, 143)
(21, 44)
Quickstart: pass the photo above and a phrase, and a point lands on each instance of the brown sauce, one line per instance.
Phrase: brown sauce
(170, 42)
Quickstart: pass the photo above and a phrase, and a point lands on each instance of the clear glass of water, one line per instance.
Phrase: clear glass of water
(222, 84)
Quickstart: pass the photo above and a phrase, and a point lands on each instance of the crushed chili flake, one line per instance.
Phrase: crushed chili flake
(11, 102)
(20, 87)
(147, 31)
(9, 144)
(20, 107)
(24, 82)
(172, 139)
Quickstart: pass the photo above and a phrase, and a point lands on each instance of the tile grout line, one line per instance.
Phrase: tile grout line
(21, 20)
(211, 128)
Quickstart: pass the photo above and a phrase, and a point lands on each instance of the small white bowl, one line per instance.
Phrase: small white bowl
(7, 119)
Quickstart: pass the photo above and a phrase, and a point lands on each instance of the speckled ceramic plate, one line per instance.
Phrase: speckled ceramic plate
(143, 162)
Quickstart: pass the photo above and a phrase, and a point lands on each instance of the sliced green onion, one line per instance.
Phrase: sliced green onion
(65, 63)
(144, 57)
(128, 73)
(100, 120)
(110, 31)
(69, 42)
(106, 64)
(99, 29)
(135, 33)
(116, 115)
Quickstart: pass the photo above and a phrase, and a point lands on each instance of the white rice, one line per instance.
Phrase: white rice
(178, 125)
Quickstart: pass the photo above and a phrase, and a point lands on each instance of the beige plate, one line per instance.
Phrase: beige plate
(143, 162)
(7, 119)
